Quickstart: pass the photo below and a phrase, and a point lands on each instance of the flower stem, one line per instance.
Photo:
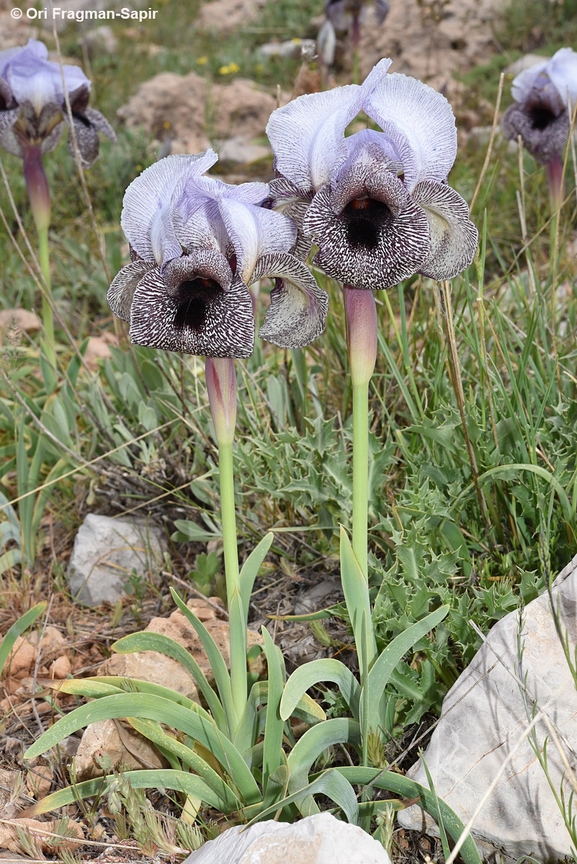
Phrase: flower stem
(39, 196)
(221, 386)
(361, 320)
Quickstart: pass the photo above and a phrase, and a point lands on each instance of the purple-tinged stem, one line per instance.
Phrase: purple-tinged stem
(39, 196)
(555, 180)
(361, 321)
(37, 185)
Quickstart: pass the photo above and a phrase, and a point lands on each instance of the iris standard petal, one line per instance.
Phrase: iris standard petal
(254, 232)
(307, 135)
(369, 232)
(454, 238)
(562, 70)
(194, 306)
(34, 78)
(419, 122)
(153, 190)
(298, 306)
(123, 286)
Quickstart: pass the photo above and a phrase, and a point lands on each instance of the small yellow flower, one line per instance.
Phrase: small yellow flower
(202, 61)
(167, 124)
(231, 69)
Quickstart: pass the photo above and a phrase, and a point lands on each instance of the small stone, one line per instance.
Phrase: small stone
(61, 667)
(21, 659)
(319, 839)
(102, 741)
(39, 781)
(296, 48)
(242, 151)
(523, 63)
(98, 349)
(99, 42)
(107, 552)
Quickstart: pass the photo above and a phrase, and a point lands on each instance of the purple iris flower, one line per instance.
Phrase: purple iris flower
(197, 245)
(343, 14)
(33, 104)
(545, 95)
(376, 203)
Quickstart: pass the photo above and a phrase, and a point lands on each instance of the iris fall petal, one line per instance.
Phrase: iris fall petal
(298, 307)
(453, 236)
(194, 306)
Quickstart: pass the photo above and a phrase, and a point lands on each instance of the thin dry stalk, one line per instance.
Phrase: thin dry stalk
(78, 157)
(491, 140)
(457, 382)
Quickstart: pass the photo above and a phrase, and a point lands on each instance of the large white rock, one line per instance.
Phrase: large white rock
(107, 551)
(483, 718)
(319, 839)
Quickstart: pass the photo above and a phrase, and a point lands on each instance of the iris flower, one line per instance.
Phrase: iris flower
(376, 203)
(539, 114)
(197, 245)
(33, 105)
(545, 95)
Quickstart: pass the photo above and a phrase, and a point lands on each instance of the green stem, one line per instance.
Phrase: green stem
(361, 473)
(361, 321)
(221, 386)
(237, 615)
(47, 313)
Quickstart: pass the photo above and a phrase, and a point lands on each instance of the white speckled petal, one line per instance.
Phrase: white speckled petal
(298, 306)
(307, 134)
(123, 286)
(373, 245)
(157, 187)
(454, 238)
(8, 140)
(194, 306)
(420, 124)
(254, 232)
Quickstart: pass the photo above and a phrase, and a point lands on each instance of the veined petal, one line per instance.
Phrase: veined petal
(204, 228)
(307, 134)
(298, 306)
(373, 242)
(423, 129)
(255, 232)
(198, 189)
(34, 78)
(454, 238)
(123, 286)
(157, 187)
(194, 306)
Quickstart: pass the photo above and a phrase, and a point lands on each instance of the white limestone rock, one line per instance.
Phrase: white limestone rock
(107, 551)
(319, 839)
(483, 717)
